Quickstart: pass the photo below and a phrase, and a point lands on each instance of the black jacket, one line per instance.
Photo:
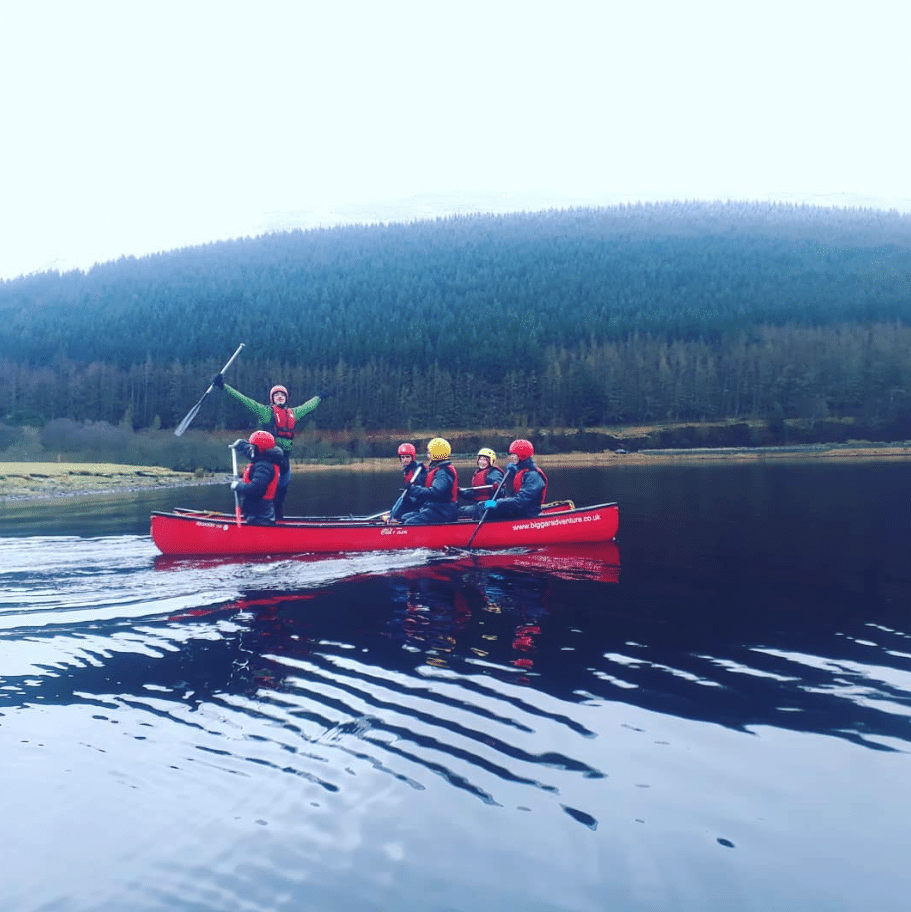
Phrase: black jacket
(255, 503)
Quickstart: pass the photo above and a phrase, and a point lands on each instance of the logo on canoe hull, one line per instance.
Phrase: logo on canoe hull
(551, 523)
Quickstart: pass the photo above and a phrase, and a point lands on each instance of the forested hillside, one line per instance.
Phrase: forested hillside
(564, 318)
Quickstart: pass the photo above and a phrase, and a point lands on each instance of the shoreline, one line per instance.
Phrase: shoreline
(45, 480)
(42, 480)
(797, 453)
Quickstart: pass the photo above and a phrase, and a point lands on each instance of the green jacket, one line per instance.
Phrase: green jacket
(263, 413)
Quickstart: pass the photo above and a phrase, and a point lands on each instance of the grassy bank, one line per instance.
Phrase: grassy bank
(59, 479)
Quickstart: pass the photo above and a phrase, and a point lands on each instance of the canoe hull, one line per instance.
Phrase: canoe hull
(188, 534)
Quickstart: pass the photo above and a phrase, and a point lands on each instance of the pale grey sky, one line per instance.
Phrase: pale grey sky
(132, 126)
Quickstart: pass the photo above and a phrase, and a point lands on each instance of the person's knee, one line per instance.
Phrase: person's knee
(413, 519)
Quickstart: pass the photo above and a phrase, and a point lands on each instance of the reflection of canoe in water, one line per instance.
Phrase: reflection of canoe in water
(599, 561)
(194, 534)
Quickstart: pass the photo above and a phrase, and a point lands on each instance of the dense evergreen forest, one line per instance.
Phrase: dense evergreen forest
(567, 318)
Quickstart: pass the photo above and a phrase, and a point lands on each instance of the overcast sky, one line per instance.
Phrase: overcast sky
(132, 126)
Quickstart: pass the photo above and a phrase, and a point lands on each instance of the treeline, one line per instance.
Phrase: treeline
(847, 370)
(573, 318)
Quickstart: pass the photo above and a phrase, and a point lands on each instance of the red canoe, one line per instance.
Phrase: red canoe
(195, 534)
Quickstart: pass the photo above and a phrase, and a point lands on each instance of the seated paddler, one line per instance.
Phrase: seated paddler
(524, 492)
(411, 471)
(484, 483)
(256, 489)
(436, 494)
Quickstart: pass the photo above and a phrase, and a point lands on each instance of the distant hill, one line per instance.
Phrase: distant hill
(570, 317)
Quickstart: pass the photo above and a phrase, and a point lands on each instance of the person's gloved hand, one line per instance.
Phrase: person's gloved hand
(327, 394)
(234, 484)
(244, 447)
(219, 381)
(512, 468)
(463, 492)
(490, 504)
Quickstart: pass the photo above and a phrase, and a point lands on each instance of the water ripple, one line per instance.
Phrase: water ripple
(158, 645)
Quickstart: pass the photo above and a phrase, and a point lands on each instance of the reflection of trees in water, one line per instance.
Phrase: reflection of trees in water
(807, 648)
(796, 648)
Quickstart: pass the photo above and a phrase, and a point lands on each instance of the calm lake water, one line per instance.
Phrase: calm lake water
(712, 716)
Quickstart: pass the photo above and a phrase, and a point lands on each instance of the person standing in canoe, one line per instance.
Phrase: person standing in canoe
(278, 420)
(258, 487)
(488, 475)
(436, 493)
(523, 495)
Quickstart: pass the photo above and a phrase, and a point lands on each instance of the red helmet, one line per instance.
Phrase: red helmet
(262, 440)
(522, 449)
(407, 449)
(278, 389)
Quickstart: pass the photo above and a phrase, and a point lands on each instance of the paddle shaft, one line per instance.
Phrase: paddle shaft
(237, 516)
(379, 515)
(414, 478)
(178, 431)
(506, 475)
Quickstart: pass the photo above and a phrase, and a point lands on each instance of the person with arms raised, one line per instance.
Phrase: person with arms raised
(279, 420)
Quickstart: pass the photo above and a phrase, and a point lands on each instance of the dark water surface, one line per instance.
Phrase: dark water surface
(720, 724)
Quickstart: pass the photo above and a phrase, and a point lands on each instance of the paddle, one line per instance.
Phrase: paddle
(381, 515)
(233, 447)
(476, 488)
(178, 431)
(398, 503)
(510, 470)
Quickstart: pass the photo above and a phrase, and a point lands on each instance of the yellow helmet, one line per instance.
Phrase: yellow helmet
(438, 448)
(489, 453)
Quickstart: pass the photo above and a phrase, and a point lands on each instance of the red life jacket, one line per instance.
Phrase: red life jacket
(410, 469)
(454, 494)
(480, 478)
(273, 485)
(283, 422)
(517, 482)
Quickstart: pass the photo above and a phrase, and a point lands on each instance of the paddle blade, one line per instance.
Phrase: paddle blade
(188, 420)
(178, 431)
